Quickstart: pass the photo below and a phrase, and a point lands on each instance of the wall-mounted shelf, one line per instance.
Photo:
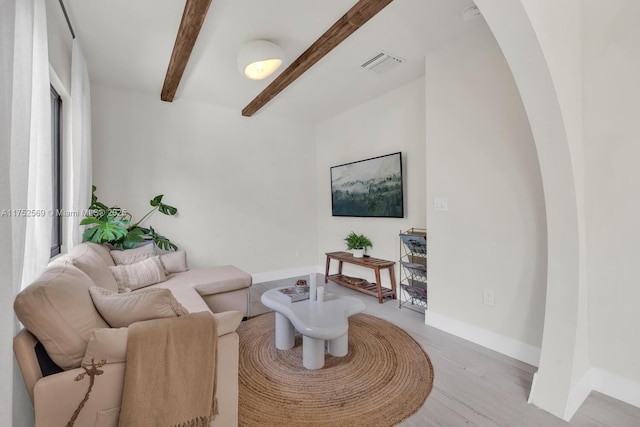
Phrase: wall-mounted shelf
(413, 269)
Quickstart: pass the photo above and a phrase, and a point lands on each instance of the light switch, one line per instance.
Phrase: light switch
(441, 204)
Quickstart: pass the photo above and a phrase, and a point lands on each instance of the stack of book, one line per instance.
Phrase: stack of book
(293, 294)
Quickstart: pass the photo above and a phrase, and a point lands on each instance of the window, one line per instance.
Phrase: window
(56, 160)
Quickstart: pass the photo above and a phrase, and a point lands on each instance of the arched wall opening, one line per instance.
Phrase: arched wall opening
(564, 352)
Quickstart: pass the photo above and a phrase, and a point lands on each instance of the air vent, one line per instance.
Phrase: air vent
(382, 62)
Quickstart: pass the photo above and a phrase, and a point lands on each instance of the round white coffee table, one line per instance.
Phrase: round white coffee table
(316, 321)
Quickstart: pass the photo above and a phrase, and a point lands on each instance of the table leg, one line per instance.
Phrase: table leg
(379, 285)
(285, 332)
(326, 271)
(339, 267)
(339, 346)
(392, 275)
(312, 353)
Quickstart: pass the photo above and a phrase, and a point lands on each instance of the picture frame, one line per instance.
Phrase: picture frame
(368, 188)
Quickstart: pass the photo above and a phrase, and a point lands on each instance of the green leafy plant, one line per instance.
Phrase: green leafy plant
(357, 241)
(114, 226)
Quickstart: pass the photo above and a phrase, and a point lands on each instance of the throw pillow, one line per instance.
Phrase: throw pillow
(174, 262)
(57, 309)
(120, 310)
(108, 344)
(131, 256)
(135, 276)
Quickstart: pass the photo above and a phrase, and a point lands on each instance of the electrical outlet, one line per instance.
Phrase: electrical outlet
(489, 297)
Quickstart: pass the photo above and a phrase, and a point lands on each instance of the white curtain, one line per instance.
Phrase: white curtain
(33, 128)
(25, 132)
(80, 141)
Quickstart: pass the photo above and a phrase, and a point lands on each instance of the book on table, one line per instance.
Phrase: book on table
(292, 294)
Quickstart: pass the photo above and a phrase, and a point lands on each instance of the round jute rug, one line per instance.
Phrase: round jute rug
(385, 378)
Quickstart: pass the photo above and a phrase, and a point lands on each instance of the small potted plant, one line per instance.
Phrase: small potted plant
(358, 243)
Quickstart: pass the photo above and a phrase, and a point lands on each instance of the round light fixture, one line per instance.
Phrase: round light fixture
(471, 13)
(259, 59)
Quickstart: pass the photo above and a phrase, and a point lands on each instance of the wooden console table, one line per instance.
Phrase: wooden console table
(374, 289)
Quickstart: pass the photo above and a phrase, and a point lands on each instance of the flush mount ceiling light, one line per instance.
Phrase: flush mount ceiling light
(471, 13)
(259, 59)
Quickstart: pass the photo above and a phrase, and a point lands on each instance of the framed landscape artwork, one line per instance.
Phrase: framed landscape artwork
(368, 188)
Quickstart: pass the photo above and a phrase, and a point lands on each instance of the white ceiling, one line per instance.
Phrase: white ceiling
(128, 43)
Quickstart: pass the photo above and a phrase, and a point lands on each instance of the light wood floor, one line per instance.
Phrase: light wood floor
(473, 386)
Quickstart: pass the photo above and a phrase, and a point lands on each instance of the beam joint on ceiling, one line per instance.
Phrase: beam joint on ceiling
(355, 18)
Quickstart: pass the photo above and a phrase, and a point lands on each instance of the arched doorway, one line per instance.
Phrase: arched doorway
(564, 355)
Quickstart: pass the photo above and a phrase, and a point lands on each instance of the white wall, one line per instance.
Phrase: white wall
(558, 29)
(60, 41)
(8, 322)
(611, 52)
(391, 123)
(481, 156)
(244, 187)
(575, 65)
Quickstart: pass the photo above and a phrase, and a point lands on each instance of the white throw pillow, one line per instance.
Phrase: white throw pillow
(174, 262)
(120, 310)
(139, 275)
(131, 256)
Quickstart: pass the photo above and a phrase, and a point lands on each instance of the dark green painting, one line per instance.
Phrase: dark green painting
(368, 188)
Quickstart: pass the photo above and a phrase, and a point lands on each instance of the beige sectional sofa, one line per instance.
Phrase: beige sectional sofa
(63, 326)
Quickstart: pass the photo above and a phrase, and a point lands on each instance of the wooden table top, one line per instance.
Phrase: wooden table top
(365, 261)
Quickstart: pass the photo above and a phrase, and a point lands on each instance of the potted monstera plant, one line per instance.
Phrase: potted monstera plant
(115, 226)
(357, 243)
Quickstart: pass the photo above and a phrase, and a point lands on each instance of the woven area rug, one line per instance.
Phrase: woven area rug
(385, 378)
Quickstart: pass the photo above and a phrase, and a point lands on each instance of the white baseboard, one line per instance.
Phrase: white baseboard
(533, 386)
(615, 386)
(285, 274)
(577, 395)
(596, 379)
(500, 343)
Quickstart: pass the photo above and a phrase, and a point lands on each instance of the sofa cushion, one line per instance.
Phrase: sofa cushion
(108, 344)
(187, 296)
(111, 344)
(57, 309)
(94, 260)
(174, 262)
(228, 321)
(212, 280)
(139, 275)
(132, 256)
(123, 309)
(102, 251)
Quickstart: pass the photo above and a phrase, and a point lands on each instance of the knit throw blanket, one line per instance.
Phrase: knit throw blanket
(170, 378)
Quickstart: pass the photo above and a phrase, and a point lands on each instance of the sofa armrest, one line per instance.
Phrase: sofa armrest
(228, 321)
(56, 397)
(212, 280)
(110, 344)
(23, 348)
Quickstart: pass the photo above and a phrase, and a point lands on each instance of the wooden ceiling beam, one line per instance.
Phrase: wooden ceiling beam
(195, 11)
(356, 17)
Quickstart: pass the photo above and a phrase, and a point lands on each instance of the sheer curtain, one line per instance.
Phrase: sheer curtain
(80, 140)
(25, 134)
(33, 125)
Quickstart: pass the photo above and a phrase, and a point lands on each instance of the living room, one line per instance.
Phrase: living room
(255, 192)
